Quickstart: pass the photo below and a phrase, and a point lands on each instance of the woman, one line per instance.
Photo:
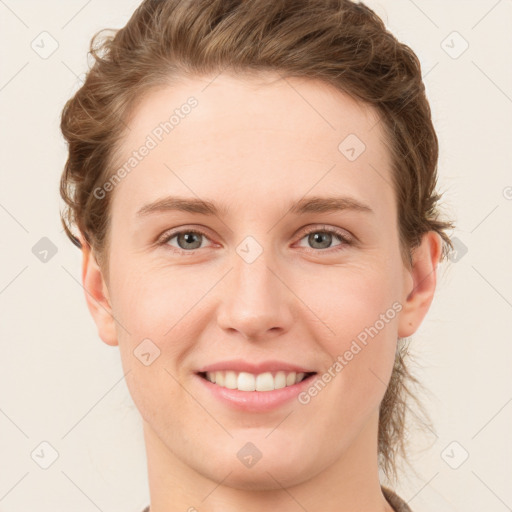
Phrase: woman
(253, 190)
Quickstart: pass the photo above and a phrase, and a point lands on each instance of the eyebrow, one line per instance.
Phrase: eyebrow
(314, 204)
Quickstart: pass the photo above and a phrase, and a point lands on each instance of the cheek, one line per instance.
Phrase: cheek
(155, 301)
(360, 312)
(153, 310)
(162, 314)
(348, 300)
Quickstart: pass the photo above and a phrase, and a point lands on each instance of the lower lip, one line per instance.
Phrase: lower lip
(256, 401)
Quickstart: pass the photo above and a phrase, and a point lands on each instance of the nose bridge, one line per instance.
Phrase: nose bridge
(255, 300)
(254, 280)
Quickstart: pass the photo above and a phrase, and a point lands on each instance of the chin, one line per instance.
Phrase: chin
(263, 479)
(270, 472)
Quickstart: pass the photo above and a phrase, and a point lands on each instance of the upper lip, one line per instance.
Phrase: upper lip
(239, 365)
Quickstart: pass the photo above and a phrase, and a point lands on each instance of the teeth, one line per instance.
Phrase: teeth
(244, 381)
(280, 380)
(265, 382)
(230, 381)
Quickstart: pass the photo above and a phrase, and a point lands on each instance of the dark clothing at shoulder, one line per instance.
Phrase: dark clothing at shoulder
(398, 504)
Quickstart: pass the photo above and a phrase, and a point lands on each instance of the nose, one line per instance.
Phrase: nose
(255, 301)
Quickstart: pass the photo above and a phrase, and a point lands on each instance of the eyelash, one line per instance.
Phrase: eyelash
(346, 241)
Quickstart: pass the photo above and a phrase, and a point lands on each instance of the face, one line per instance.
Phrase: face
(298, 268)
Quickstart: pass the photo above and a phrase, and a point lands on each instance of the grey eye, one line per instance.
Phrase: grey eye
(320, 239)
(187, 240)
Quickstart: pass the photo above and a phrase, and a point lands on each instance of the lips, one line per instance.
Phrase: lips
(256, 401)
(239, 365)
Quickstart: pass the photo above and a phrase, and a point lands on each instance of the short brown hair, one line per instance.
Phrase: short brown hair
(339, 42)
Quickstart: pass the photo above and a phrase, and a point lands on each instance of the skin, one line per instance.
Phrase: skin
(255, 147)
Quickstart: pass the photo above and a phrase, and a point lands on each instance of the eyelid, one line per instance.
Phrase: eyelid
(171, 233)
(342, 233)
(346, 239)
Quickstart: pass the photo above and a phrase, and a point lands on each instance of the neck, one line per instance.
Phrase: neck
(350, 484)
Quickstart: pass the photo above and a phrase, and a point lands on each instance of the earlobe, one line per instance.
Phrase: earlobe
(97, 297)
(421, 284)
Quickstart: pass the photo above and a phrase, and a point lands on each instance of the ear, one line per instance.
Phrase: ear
(421, 284)
(96, 295)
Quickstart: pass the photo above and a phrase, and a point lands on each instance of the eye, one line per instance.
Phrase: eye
(321, 238)
(187, 240)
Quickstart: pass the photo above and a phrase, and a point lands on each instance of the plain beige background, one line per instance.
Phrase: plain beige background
(61, 386)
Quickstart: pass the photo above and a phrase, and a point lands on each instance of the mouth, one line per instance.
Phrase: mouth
(245, 381)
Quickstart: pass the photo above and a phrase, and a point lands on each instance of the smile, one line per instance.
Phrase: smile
(244, 381)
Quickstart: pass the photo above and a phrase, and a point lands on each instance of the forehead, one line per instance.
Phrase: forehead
(254, 139)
